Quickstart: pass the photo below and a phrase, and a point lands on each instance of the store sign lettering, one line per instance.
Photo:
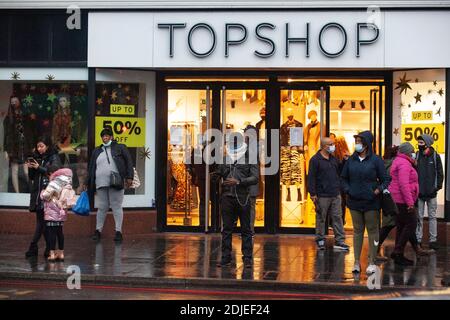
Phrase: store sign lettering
(422, 115)
(262, 32)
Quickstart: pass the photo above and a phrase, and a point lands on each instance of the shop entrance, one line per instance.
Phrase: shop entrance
(302, 112)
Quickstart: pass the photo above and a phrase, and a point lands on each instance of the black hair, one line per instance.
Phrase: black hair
(106, 131)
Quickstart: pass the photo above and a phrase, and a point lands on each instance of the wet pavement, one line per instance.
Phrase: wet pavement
(281, 262)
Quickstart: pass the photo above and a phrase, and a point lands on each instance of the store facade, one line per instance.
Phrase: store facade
(161, 79)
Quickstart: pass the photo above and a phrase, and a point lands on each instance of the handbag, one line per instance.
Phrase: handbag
(136, 182)
(82, 207)
(388, 204)
(115, 180)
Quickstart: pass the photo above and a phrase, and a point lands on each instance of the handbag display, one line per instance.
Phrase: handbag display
(116, 180)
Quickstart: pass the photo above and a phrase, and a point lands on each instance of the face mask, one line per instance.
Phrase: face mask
(107, 144)
(422, 147)
(331, 149)
(359, 147)
(413, 156)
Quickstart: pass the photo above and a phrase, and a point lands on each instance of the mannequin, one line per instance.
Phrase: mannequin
(312, 137)
(18, 140)
(290, 157)
(61, 133)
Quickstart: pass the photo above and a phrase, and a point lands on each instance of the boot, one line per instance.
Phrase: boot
(59, 255)
(51, 256)
(32, 251)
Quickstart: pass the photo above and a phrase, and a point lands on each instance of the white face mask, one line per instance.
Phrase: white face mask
(331, 149)
(107, 144)
(413, 156)
(359, 147)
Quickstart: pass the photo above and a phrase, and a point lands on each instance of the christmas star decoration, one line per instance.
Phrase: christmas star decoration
(435, 83)
(128, 98)
(105, 92)
(409, 105)
(146, 153)
(418, 97)
(403, 84)
(50, 77)
(396, 131)
(434, 102)
(430, 91)
(438, 113)
(402, 104)
(99, 101)
(15, 76)
(51, 97)
(28, 99)
(441, 92)
(114, 95)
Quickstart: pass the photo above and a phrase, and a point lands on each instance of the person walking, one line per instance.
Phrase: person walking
(110, 171)
(431, 177)
(58, 197)
(44, 156)
(404, 189)
(238, 175)
(324, 188)
(364, 179)
(342, 154)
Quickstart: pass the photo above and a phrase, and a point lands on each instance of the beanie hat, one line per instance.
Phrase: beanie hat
(427, 138)
(406, 148)
(106, 131)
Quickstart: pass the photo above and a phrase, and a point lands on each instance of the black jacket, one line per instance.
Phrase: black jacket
(38, 177)
(361, 178)
(431, 174)
(323, 176)
(247, 174)
(121, 157)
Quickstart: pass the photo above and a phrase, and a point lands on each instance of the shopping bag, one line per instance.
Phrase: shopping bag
(82, 207)
(136, 182)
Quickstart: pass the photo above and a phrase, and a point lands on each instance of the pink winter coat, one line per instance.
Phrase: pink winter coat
(58, 196)
(404, 186)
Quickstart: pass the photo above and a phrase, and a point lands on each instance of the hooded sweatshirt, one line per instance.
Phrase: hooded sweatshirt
(429, 167)
(361, 178)
(58, 196)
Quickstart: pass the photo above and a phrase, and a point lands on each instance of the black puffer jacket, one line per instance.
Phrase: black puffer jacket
(121, 157)
(38, 177)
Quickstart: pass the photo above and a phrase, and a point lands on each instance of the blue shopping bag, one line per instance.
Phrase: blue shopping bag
(82, 206)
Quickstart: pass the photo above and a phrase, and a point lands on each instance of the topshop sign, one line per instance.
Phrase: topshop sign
(258, 33)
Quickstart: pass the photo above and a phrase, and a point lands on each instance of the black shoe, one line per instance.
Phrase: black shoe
(434, 245)
(402, 261)
(118, 237)
(248, 263)
(97, 235)
(46, 253)
(32, 251)
(224, 263)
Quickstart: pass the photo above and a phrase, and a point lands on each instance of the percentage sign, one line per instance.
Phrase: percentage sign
(435, 135)
(132, 127)
(426, 130)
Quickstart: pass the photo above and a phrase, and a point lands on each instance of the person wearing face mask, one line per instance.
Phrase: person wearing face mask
(431, 178)
(363, 179)
(324, 188)
(108, 160)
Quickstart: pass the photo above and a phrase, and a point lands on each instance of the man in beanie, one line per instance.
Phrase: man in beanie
(431, 178)
(110, 171)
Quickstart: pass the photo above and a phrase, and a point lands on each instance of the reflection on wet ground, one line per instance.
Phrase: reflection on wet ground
(286, 258)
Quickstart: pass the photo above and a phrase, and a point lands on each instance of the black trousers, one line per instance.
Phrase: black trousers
(55, 233)
(40, 228)
(231, 211)
(406, 224)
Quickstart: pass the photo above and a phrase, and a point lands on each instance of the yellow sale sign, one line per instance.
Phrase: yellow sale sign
(126, 130)
(410, 133)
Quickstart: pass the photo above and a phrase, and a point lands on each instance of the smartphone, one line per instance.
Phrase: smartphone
(31, 159)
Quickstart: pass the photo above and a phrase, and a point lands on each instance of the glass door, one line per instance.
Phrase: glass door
(188, 183)
(243, 109)
(302, 124)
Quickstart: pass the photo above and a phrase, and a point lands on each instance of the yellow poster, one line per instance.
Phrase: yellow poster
(126, 130)
(410, 133)
(123, 109)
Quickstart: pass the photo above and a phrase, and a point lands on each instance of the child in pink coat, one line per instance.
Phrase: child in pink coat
(404, 189)
(58, 197)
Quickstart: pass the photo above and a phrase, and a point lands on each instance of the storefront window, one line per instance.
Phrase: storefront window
(419, 108)
(186, 177)
(299, 140)
(41, 106)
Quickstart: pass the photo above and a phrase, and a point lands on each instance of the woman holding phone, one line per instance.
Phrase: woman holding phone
(44, 156)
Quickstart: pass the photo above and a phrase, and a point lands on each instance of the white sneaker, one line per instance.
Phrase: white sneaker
(371, 269)
(356, 268)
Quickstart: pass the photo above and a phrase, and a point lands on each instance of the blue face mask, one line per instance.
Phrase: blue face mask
(359, 147)
(331, 149)
(107, 144)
